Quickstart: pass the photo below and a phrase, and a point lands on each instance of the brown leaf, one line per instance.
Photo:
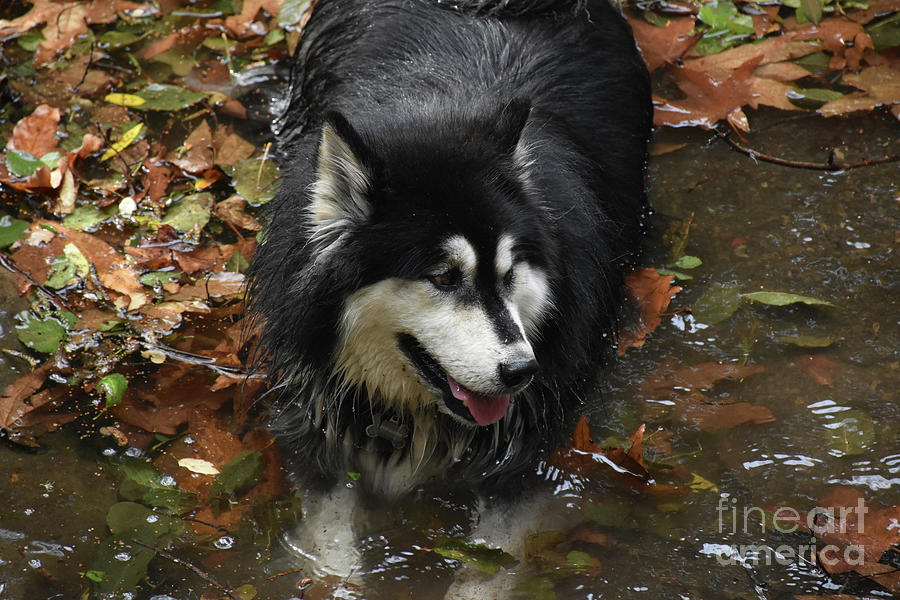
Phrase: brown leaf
(652, 293)
(13, 402)
(215, 285)
(36, 133)
(231, 210)
(818, 366)
(230, 147)
(157, 179)
(711, 417)
(198, 155)
(663, 45)
(880, 84)
(698, 377)
(852, 530)
(847, 41)
(242, 25)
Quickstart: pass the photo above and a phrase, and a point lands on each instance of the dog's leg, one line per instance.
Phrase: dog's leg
(325, 537)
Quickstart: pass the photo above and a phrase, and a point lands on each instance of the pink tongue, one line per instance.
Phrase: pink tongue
(484, 409)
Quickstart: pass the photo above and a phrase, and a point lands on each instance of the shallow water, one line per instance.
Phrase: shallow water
(833, 236)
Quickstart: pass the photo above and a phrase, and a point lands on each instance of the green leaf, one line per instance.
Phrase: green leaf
(67, 269)
(142, 481)
(62, 272)
(11, 230)
(816, 63)
(536, 588)
(21, 163)
(688, 262)
(677, 274)
(353, 475)
(159, 96)
(87, 217)
(291, 12)
(189, 212)
(51, 160)
(811, 98)
(118, 39)
(122, 563)
(113, 387)
(154, 278)
(885, 34)
(718, 303)
(581, 562)
(30, 41)
(783, 299)
(851, 433)
(812, 9)
(487, 560)
(43, 335)
(255, 179)
(239, 474)
(808, 341)
(95, 576)
(237, 263)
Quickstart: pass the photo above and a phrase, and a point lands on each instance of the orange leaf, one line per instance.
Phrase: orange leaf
(652, 293)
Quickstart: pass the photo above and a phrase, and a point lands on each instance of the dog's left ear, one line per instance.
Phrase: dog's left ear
(343, 177)
(511, 122)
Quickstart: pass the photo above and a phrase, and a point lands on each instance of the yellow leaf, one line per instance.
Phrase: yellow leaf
(124, 99)
(196, 465)
(699, 484)
(126, 140)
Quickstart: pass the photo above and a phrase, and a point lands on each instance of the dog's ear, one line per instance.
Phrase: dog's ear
(343, 177)
(511, 122)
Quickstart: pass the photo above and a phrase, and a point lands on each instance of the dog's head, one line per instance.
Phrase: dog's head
(452, 286)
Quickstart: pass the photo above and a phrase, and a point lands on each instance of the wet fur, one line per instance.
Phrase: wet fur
(525, 118)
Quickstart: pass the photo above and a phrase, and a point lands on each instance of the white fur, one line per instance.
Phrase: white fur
(503, 259)
(339, 193)
(459, 336)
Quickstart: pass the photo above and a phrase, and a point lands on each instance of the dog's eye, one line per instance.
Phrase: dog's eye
(447, 279)
(508, 278)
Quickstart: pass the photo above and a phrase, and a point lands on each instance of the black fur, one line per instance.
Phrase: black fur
(434, 96)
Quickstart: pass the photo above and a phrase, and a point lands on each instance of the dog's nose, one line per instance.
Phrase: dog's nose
(518, 373)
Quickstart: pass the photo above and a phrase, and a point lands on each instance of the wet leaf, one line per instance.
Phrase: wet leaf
(67, 269)
(190, 212)
(21, 163)
(783, 299)
(688, 262)
(808, 341)
(112, 387)
(485, 559)
(87, 217)
(676, 274)
(256, 180)
(144, 482)
(719, 302)
(850, 433)
(11, 230)
(812, 9)
(291, 12)
(886, 33)
(128, 138)
(652, 293)
(812, 98)
(129, 100)
(155, 278)
(701, 484)
(239, 474)
(167, 98)
(818, 366)
(43, 335)
(198, 465)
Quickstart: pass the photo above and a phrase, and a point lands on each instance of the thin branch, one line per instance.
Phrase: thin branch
(200, 572)
(799, 164)
(50, 295)
(199, 359)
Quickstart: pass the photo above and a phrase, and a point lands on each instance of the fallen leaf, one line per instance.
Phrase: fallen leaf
(818, 366)
(197, 155)
(663, 45)
(652, 293)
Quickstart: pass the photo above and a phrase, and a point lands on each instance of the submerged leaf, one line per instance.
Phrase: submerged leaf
(43, 335)
(113, 387)
(11, 230)
(852, 432)
(486, 560)
(719, 302)
(239, 474)
(783, 299)
(808, 341)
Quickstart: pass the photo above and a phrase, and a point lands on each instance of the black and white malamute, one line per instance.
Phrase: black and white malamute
(441, 270)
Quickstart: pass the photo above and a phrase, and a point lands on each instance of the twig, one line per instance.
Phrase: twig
(50, 295)
(200, 572)
(800, 164)
(199, 359)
